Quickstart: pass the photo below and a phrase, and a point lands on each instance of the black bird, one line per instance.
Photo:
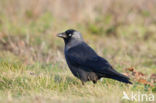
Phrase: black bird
(83, 61)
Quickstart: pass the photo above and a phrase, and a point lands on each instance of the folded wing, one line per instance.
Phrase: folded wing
(86, 58)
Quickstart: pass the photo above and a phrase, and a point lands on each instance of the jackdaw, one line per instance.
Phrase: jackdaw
(84, 62)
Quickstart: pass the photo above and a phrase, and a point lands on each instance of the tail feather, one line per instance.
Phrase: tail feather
(120, 78)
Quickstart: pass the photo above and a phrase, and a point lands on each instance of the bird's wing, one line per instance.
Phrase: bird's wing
(85, 57)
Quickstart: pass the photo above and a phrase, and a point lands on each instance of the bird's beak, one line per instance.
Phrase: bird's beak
(62, 35)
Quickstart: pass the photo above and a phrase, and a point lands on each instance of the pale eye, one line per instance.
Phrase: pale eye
(70, 35)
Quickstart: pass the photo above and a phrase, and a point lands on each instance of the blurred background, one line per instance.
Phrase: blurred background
(28, 28)
(122, 31)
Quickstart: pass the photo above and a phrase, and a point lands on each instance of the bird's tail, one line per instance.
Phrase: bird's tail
(121, 78)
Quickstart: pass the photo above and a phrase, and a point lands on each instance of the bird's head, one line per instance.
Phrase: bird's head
(70, 34)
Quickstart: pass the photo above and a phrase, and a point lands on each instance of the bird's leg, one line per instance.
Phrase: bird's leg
(94, 81)
(82, 82)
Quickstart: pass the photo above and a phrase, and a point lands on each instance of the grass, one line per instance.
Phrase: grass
(32, 63)
(38, 81)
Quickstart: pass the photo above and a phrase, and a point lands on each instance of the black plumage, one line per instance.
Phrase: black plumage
(83, 61)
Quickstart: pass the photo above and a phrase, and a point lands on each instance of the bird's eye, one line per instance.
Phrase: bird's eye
(70, 34)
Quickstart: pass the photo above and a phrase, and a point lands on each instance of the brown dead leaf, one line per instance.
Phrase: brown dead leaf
(141, 74)
(138, 75)
(130, 69)
(153, 78)
(145, 82)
